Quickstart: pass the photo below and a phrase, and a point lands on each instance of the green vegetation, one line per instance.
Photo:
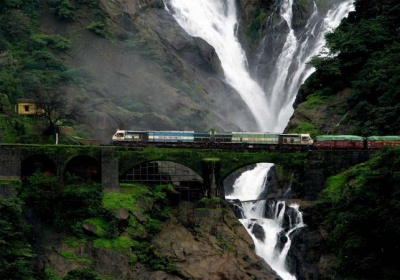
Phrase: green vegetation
(102, 28)
(31, 66)
(335, 187)
(315, 99)
(365, 57)
(144, 45)
(73, 241)
(15, 251)
(121, 243)
(360, 208)
(85, 215)
(83, 274)
(50, 274)
(209, 203)
(70, 255)
(146, 253)
(306, 127)
(100, 225)
(254, 29)
(62, 206)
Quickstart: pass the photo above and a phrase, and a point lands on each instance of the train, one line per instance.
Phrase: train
(249, 140)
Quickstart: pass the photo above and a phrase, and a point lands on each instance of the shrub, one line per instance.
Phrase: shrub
(64, 9)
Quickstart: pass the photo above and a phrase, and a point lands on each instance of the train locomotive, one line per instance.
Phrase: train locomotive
(250, 140)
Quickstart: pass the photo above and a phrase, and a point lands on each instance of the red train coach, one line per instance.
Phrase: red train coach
(378, 142)
(339, 142)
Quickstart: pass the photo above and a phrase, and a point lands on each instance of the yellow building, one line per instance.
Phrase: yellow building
(26, 106)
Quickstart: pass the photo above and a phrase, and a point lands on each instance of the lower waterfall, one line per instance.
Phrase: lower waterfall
(270, 224)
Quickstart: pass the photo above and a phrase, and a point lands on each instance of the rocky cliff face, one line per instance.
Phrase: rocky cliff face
(146, 74)
(201, 243)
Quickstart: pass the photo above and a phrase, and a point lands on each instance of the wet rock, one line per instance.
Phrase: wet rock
(258, 232)
(282, 239)
(121, 214)
(141, 218)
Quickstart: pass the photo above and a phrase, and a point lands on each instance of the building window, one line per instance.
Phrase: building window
(26, 108)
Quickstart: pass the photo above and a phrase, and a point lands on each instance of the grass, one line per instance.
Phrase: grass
(334, 186)
(71, 256)
(101, 226)
(127, 200)
(115, 201)
(315, 99)
(73, 241)
(120, 244)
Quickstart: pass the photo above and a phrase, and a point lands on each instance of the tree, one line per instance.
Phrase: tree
(15, 251)
(53, 106)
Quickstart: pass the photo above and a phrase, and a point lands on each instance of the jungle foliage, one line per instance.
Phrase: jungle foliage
(31, 61)
(15, 235)
(360, 208)
(82, 213)
(364, 56)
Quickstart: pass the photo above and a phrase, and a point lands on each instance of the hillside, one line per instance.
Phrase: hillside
(355, 88)
(124, 65)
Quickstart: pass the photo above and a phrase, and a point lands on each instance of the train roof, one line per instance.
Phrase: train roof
(390, 137)
(339, 137)
(254, 133)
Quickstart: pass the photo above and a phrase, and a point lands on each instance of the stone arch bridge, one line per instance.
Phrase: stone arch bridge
(106, 164)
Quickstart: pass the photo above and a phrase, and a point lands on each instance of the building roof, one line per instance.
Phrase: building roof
(26, 100)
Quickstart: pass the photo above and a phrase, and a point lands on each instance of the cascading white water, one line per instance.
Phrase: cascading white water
(271, 103)
(291, 69)
(248, 187)
(216, 22)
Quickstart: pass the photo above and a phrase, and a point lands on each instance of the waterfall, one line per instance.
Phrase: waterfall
(271, 240)
(216, 22)
(280, 72)
(279, 68)
(290, 69)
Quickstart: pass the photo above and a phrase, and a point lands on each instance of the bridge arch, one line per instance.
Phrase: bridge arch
(157, 172)
(37, 162)
(84, 167)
